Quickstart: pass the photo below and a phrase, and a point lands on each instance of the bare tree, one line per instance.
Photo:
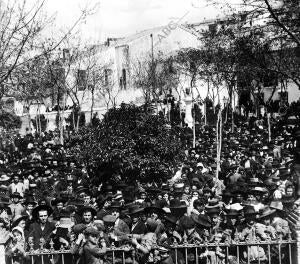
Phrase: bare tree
(21, 36)
(156, 77)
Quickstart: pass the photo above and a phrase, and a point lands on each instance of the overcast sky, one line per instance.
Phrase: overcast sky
(116, 18)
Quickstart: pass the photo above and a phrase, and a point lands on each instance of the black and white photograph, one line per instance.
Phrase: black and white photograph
(149, 132)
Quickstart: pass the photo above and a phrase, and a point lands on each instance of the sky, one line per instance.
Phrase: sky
(119, 18)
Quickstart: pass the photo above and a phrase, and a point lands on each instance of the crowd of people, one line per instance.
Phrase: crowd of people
(48, 200)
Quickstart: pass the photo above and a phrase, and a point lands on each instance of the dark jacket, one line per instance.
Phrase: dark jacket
(139, 229)
(92, 253)
(37, 233)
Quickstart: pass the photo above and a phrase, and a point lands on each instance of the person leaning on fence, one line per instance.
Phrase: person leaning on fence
(41, 230)
(15, 251)
(252, 233)
(92, 253)
(215, 255)
(147, 242)
(76, 248)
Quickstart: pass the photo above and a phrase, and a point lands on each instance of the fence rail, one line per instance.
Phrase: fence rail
(264, 252)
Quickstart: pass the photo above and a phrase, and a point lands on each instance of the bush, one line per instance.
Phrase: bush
(129, 142)
(9, 120)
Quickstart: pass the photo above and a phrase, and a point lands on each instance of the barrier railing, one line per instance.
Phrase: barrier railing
(275, 251)
(230, 252)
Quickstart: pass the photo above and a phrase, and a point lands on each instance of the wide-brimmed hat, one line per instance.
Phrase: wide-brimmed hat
(267, 211)
(109, 219)
(30, 200)
(42, 207)
(135, 209)
(115, 205)
(202, 220)
(65, 222)
(213, 203)
(232, 212)
(16, 195)
(171, 219)
(177, 207)
(213, 211)
(154, 208)
(186, 222)
(249, 211)
(258, 189)
(17, 219)
(4, 178)
(276, 205)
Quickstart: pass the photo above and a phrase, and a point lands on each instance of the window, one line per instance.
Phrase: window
(66, 54)
(123, 79)
(107, 76)
(212, 28)
(81, 80)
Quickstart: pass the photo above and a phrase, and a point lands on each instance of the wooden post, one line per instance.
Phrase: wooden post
(269, 126)
(205, 116)
(218, 143)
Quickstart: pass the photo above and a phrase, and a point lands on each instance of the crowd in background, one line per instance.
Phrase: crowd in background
(48, 199)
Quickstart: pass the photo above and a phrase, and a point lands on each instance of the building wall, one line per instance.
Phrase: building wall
(292, 89)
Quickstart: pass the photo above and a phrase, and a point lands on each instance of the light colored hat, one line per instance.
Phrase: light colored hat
(276, 205)
(19, 229)
(65, 222)
(4, 177)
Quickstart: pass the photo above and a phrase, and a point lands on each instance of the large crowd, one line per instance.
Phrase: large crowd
(48, 199)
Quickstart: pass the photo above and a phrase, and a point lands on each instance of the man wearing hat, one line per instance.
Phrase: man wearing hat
(203, 226)
(16, 207)
(266, 217)
(42, 229)
(279, 223)
(120, 227)
(92, 253)
(29, 205)
(253, 232)
(138, 226)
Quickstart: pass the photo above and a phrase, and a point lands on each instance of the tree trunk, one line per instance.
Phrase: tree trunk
(39, 119)
(194, 116)
(269, 126)
(73, 118)
(92, 106)
(36, 124)
(205, 114)
(29, 117)
(78, 117)
(219, 142)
